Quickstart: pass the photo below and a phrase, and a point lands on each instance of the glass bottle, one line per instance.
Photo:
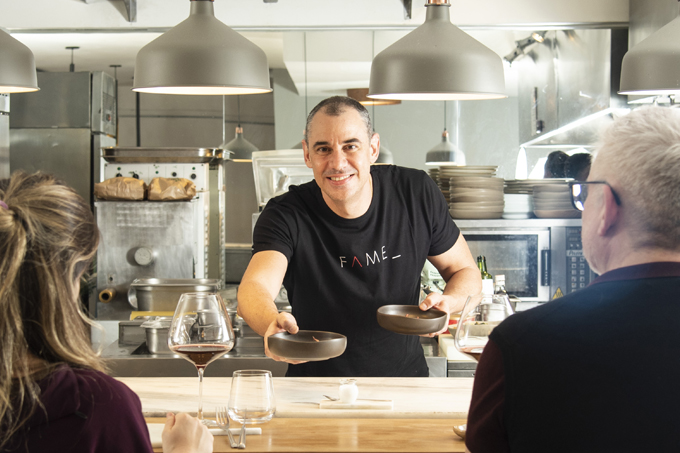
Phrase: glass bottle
(487, 279)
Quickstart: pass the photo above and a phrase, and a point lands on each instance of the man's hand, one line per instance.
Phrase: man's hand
(447, 304)
(185, 434)
(284, 322)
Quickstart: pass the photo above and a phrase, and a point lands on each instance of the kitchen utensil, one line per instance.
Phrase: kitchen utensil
(309, 345)
(411, 320)
(162, 294)
(156, 330)
(223, 422)
(362, 399)
(197, 343)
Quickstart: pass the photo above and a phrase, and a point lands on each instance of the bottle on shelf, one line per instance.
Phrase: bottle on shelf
(487, 279)
(499, 287)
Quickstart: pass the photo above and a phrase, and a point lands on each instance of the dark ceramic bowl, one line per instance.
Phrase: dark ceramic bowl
(411, 320)
(304, 345)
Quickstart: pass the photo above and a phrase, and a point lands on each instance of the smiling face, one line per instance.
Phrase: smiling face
(340, 152)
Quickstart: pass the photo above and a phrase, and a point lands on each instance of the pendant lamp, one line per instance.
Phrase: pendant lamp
(17, 66)
(437, 61)
(360, 95)
(652, 67)
(241, 148)
(201, 56)
(445, 153)
(385, 156)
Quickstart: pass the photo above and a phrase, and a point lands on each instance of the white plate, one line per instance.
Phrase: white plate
(557, 214)
(476, 205)
(476, 198)
(462, 214)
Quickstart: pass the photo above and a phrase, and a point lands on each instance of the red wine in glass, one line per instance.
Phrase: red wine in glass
(201, 332)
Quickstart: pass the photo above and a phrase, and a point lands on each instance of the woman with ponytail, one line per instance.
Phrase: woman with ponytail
(54, 392)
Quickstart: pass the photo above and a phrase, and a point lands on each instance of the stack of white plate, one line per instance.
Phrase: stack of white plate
(526, 186)
(553, 201)
(474, 192)
(518, 206)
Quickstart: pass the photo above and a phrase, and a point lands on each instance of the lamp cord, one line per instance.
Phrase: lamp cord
(305, 54)
(445, 116)
(372, 57)
(238, 107)
(224, 119)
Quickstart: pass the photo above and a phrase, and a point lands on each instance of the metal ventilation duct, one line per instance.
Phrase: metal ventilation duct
(567, 89)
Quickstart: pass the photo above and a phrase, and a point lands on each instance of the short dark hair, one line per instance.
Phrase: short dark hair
(334, 106)
(555, 164)
(577, 166)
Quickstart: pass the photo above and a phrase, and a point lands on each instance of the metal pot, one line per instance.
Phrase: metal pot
(162, 294)
(157, 329)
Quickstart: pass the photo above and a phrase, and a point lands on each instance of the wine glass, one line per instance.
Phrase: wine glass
(251, 400)
(200, 333)
(480, 315)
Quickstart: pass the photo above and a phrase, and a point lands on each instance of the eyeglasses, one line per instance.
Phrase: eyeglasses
(579, 193)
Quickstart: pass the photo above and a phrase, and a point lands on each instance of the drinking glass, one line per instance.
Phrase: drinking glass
(251, 399)
(200, 333)
(480, 315)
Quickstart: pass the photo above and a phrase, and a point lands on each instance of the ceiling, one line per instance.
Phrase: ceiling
(338, 37)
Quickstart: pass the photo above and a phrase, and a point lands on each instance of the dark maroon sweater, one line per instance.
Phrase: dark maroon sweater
(85, 411)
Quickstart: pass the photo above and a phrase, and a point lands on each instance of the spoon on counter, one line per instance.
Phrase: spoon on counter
(365, 399)
(460, 430)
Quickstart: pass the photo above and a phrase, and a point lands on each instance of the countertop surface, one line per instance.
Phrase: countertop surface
(413, 398)
(349, 435)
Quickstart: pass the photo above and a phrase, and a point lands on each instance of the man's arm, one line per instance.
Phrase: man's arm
(259, 286)
(459, 270)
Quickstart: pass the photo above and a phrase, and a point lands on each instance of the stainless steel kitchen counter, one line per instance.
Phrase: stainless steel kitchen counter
(136, 361)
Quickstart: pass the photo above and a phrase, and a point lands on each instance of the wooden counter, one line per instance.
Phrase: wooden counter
(413, 398)
(349, 435)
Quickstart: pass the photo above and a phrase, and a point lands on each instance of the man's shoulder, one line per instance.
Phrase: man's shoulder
(397, 172)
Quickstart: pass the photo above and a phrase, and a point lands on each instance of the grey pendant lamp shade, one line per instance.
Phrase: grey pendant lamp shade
(652, 67)
(437, 61)
(445, 153)
(201, 55)
(17, 66)
(242, 148)
(385, 156)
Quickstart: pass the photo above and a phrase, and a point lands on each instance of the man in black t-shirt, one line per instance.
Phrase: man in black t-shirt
(354, 239)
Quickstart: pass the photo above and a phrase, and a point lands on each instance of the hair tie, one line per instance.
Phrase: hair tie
(4, 205)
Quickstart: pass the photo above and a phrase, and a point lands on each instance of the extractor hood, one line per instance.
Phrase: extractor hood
(567, 88)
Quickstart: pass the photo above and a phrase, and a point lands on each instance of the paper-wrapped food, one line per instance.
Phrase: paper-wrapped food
(167, 189)
(120, 189)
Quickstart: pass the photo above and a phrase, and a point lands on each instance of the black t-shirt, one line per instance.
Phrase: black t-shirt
(340, 271)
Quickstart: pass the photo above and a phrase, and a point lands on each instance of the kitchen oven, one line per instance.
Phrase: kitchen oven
(542, 259)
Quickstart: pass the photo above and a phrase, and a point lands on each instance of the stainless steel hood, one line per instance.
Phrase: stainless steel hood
(567, 87)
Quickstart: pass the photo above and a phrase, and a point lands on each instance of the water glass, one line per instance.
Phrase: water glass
(251, 400)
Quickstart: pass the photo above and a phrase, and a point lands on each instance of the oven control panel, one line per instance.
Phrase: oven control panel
(579, 274)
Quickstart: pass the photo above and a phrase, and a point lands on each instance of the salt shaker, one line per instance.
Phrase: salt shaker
(348, 390)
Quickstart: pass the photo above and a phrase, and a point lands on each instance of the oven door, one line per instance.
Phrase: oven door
(523, 256)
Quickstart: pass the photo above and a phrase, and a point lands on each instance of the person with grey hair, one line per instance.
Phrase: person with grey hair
(598, 370)
(350, 241)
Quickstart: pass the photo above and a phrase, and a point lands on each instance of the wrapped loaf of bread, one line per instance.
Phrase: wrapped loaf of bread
(169, 189)
(120, 189)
